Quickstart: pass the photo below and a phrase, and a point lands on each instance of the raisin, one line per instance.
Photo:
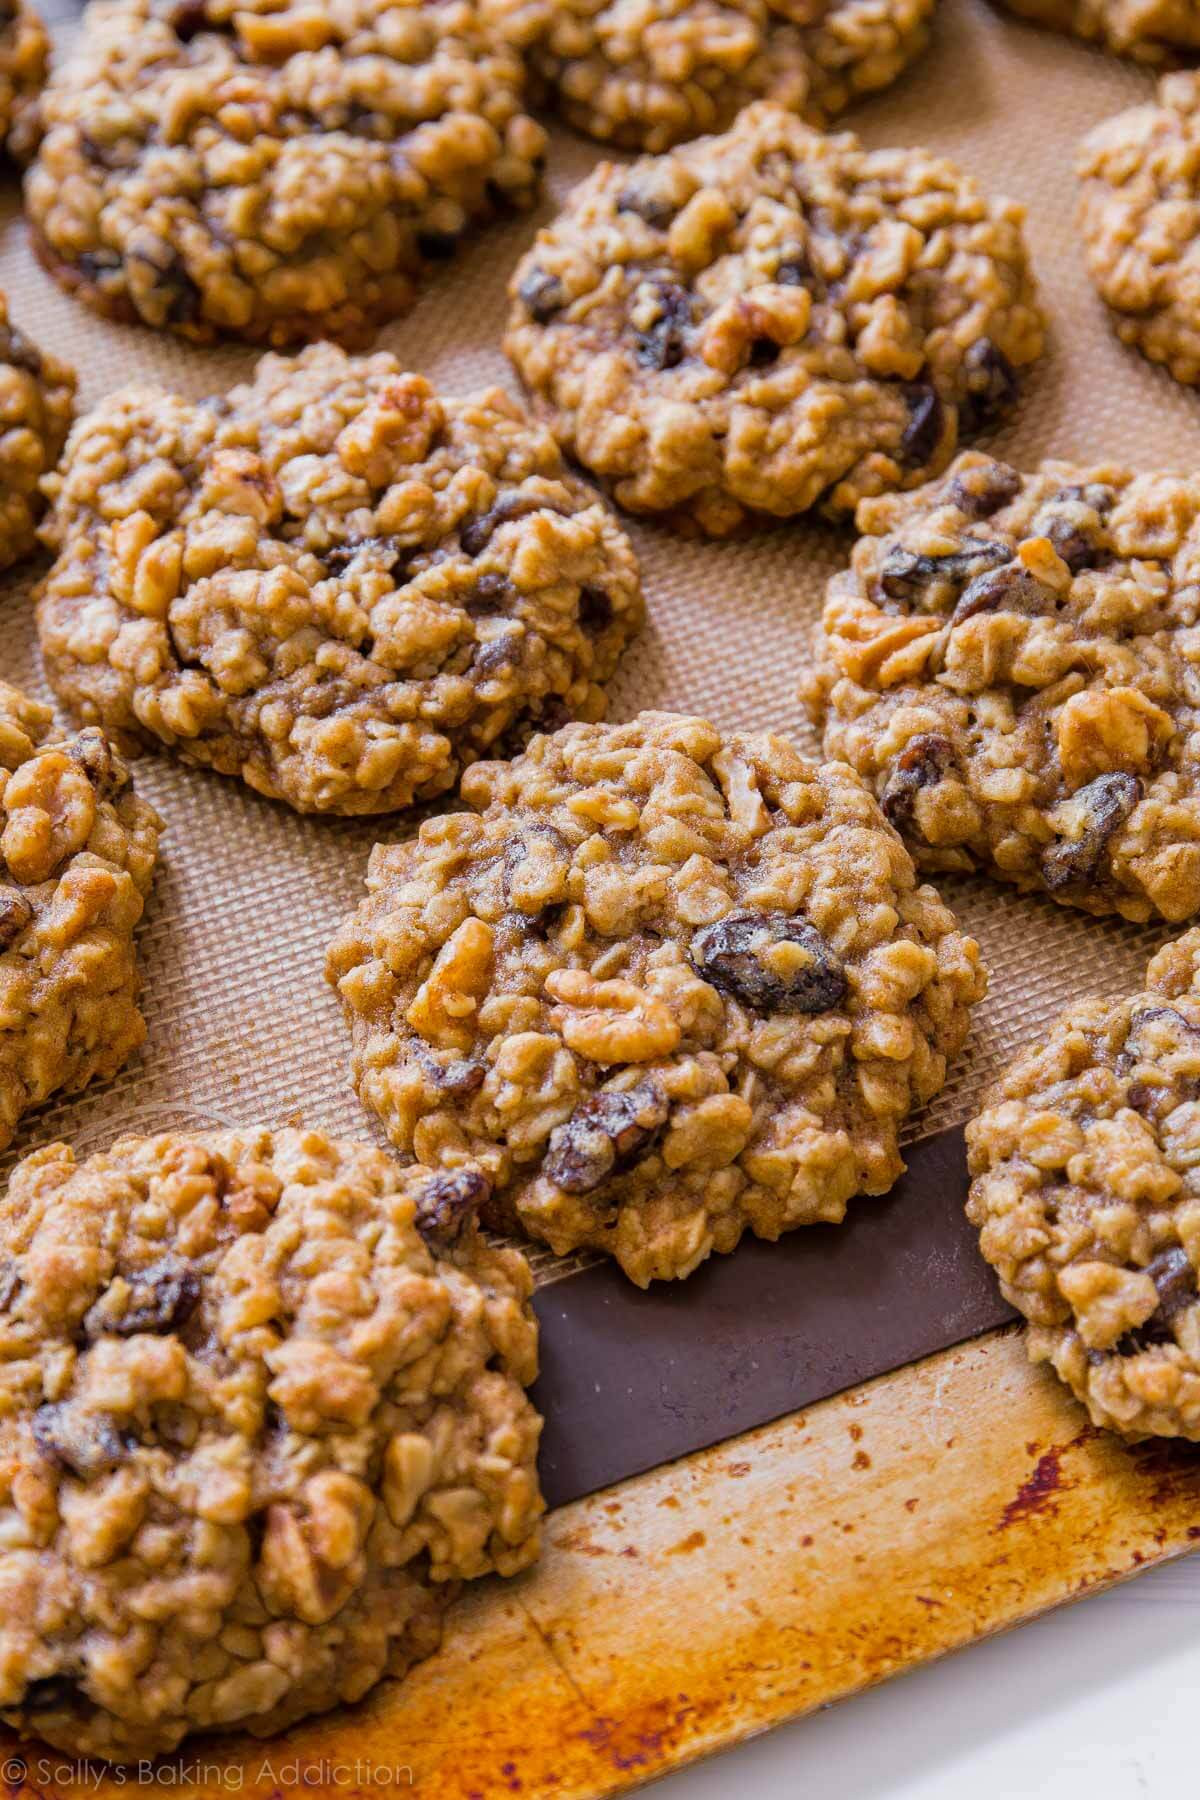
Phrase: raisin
(796, 270)
(164, 1297)
(606, 1135)
(448, 1203)
(93, 752)
(735, 955)
(992, 386)
(664, 345)
(83, 1444)
(183, 295)
(926, 422)
(595, 610)
(1106, 804)
(909, 576)
(924, 761)
(490, 594)
(1164, 1096)
(15, 914)
(385, 550)
(498, 654)
(654, 208)
(1172, 1274)
(1010, 589)
(437, 246)
(982, 491)
(187, 19)
(10, 1285)
(476, 535)
(16, 349)
(542, 295)
(1076, 537)
(49, 1693)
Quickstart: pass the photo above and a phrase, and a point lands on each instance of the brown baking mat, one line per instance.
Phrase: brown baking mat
(242, 1027)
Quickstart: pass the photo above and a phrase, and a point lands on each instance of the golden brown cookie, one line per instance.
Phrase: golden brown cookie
(1086, 1196)
(37, 398)
(1151, 31)
(772, 320)
(24, 60)
(665, 985)
(337, 586)
(77, 856)
(262, 1411)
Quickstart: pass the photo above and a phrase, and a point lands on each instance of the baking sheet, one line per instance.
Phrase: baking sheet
(242, 1027)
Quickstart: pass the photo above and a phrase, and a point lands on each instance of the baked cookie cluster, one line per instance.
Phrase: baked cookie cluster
(652, 74)
(278, 172)
(1009, 664)
(664, 985)
(329, 582)
(1086, 1197)
(261, 1410)
(77, 857)
(773, 320)
(1150, 31)
(37, 398)
(24, 61)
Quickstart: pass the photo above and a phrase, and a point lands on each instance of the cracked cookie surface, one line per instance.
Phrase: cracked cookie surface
(772, 320)
(1087, 1201)
(665, 985)
(329, 582)
(37, 398)
(277, 172)
(1152, 31)
(1139, 213)
(24, 60)
(1011, 663)
(261, 1409)
(77, 857)
(652, 74)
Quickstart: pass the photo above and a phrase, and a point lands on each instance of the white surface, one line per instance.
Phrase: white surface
(1096, 1701)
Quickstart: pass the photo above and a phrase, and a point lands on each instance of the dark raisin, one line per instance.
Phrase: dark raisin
(991, 383)
(606, 1135)
(16, 349)
(739, 956)
(478, 533)
(94, 264)
(10, 1285)
(1077, 532)
(182, 295)
(924, 761)
(437, 246)
(448, 1203)
(50, 1693)
(491, 594)
(187, 19)
(384, 551)
(654, 208)
(907, 575)
(664, 345)
(542, 295)
(926, 423)
(85, 1444)
(982, 491)
(163, 1299)
(1172, 1274)
(93, 752)
(795, 269)
(1010, 589)
(498, 654)
(595, 610)
(15, 914)
(1165, 1095)
(1103, 807)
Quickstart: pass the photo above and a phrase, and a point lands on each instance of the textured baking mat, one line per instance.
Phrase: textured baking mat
(242, 1027)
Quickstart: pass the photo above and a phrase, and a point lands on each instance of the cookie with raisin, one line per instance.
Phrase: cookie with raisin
(278, 172)
(772, 320)
(652, 75)
(265, 1413)
(340, 588)
(24, 62)
(77, 857)
(1149, 31)
(37, 399)
(1008, 663)
(1086, 1196)
(664, 984)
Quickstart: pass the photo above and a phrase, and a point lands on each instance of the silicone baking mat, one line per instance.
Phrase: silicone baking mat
(242, 1026)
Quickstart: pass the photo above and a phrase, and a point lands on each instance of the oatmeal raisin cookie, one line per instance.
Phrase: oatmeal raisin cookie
(665, 985)
(77, 856)
(654, 73)
(1011, 663)
(261, 1410)
(24, 60)
(1139, 212)
(271, 169)
(329, 581)
(772, 320)
(37, 397)
(1152, 31)
(1087, 1197)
